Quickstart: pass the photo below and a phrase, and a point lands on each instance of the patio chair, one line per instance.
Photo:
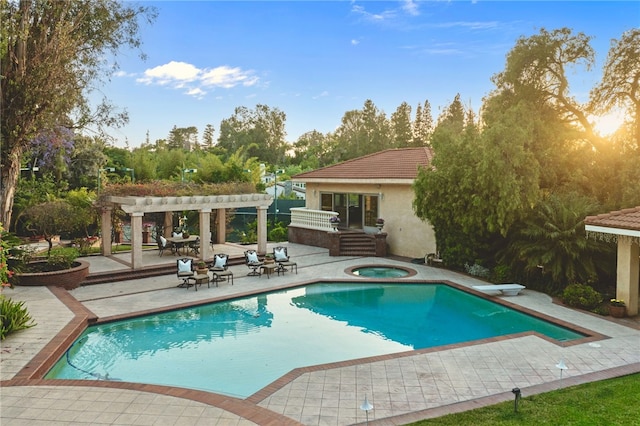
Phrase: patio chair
(281, 257)
(162, 244)
(185, 271)
(253, 263)
(220, 268)
(194, 247)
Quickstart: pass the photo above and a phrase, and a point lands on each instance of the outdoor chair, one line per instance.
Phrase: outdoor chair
(194, 247)
(162, 244)
(253, 263)
(220, 268)
(281, 257)
(185, 271)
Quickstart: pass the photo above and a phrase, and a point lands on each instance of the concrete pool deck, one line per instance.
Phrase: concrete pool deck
(401, 387)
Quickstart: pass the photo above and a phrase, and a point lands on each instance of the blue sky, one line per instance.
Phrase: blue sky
(317, 60)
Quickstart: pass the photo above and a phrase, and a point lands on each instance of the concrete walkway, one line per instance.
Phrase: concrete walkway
(402, 387)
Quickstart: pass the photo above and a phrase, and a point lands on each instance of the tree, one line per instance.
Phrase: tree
(52, 54)
(51, 218)
(422, 125)
(362, 132)
(183, 138)
(536, 69)
(311, 150)
(620, 85)
(259, 132)
(207, 137)
(86, 159)
(401, 126)
(551, 239)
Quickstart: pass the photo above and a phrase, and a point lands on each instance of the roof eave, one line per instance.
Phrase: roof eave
(615, 231)
(369, 181)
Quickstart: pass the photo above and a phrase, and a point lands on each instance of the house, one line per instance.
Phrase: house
(623, 227)
(362, 190)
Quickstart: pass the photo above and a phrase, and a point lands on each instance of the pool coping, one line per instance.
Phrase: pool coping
(33, 372)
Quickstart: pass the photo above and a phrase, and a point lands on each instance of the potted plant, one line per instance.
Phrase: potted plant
(617, 308)
(379, 224)
(201, 268)
(334, 221)
(268, 258)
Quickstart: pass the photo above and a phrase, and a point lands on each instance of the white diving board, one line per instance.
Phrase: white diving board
(505, 289)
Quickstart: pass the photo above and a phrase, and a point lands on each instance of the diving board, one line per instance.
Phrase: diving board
(505, 289)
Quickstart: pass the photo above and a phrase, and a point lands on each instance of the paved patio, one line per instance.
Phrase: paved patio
(402, 388)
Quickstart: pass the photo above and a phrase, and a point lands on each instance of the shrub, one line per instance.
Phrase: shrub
(581, 296)
(279, 233)
(477, 270)
(62, 258)
(13, 317)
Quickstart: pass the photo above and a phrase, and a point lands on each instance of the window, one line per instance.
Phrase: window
(356, 210)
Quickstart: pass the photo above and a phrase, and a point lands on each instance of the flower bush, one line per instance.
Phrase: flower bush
(13, 315)
(617, 302)
(5, 273)
(380, 221)
(581, 296)
(334, 219)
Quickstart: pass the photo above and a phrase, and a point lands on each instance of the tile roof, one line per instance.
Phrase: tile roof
(620, 219)
(402, 163)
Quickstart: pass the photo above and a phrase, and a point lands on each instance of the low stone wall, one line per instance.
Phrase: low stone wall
(310, 237)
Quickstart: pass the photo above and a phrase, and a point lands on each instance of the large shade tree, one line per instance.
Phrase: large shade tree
(620, 85)
(53, 54)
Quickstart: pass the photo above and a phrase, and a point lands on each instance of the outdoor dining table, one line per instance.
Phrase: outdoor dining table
(178, 243)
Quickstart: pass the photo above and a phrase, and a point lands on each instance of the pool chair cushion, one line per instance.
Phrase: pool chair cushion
(252, 257)
(280, 255)
(220, 263)
(184, 266)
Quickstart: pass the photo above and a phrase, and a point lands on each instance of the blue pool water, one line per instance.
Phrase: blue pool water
(237, 347)
(380, 272)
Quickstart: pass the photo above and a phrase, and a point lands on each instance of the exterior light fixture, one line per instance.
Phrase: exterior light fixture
(128, 169)
(184, 171)
(366, 407)
(561, 366)
(516, 392)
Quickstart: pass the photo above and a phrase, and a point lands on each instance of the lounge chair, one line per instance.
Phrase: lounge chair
(185, 271)
(220, 268)
(253, 263)
(281, 257)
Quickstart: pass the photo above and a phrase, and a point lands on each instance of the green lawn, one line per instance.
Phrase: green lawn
(608, 402)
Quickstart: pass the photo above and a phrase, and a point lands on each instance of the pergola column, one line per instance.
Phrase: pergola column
(136, 240)
(205, 234)
(222, 226)
(262, 229)
(628, 273)
(168, 224)
(105, 230)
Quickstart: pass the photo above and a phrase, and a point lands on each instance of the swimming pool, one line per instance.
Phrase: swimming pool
(237, 347)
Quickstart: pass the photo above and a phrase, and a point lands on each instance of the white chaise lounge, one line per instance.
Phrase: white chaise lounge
(505, 289)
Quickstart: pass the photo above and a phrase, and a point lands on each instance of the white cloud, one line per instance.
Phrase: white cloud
(355, 42)
(411, 7)
(321, 95)
(182, 75)
(227, 77)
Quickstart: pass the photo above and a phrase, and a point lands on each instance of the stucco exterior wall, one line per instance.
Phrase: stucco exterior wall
(408, 236)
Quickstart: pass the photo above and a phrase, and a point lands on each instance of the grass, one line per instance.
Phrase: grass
(607, 402)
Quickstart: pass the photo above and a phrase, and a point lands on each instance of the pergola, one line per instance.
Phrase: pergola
(136, 207)
(624, 227)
